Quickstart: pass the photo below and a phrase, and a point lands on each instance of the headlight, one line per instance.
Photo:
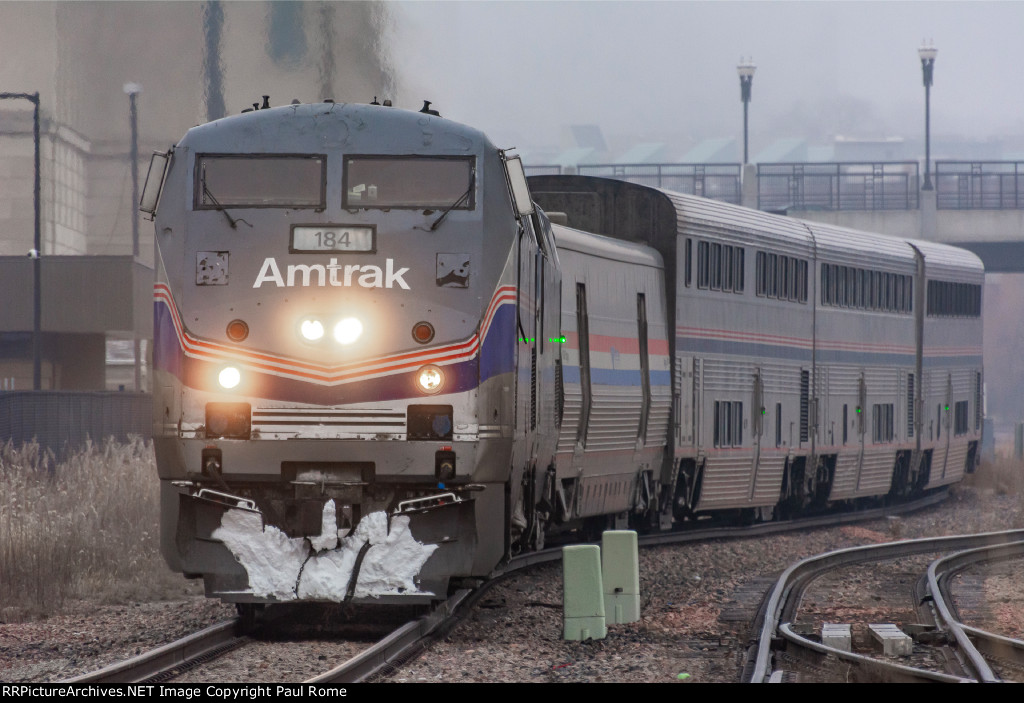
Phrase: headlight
(430, 379)
(311, 330)
(229, 377)
(348, 330)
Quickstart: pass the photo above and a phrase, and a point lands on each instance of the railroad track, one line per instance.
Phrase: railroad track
(979, 647)
(404, 642)
(164, 662)
(966, 663)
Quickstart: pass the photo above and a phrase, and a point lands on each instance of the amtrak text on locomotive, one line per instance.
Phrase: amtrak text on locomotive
(333, 274)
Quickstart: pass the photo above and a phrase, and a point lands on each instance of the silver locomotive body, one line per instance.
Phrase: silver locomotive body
(336, 325)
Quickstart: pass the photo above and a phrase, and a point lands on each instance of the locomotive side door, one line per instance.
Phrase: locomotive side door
(548, 314)
(529, 293)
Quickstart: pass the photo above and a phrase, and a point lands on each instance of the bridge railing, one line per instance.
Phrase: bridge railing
(851, 185)
(543, 170)
(979, 185)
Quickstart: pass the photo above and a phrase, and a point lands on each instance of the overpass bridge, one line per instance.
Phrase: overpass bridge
(977, 205)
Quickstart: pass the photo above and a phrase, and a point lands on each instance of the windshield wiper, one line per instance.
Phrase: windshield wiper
(463, 197)
(231, 220)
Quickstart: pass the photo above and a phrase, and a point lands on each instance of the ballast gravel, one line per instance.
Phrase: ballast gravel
(696, 603)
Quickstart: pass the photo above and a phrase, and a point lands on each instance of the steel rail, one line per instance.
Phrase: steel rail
(160, 661)
(882, 671)
(788, 589)
(411, 638)
(972, 640)
(394, 648)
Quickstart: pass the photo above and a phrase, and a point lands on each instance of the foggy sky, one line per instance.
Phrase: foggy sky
(664, 70)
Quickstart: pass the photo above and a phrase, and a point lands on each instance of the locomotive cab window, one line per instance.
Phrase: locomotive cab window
(410, 182)
(260, 180)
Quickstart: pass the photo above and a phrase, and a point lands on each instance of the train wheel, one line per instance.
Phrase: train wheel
(593, 527)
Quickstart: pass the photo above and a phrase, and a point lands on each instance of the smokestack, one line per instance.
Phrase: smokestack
(326, 40)
(213, 67)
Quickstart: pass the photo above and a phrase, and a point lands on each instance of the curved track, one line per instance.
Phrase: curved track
(785, 598)
(979, 647)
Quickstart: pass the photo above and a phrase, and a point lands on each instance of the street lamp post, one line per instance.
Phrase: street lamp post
(927, 54)
(132, 90)
(746, 72)
(37, 244)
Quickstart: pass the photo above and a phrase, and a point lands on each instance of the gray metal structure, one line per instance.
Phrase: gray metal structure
(493, 378)
(62, 421)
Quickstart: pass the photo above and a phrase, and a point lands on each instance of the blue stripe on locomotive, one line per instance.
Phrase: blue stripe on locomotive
(496, 357)
(167, 354)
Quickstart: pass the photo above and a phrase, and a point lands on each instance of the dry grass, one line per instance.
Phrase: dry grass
(84, 528)
(1004, 476)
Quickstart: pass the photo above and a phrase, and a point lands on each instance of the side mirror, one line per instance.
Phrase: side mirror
(154, 182)
(517, 183)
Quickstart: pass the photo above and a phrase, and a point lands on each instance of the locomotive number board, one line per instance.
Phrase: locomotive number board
(331, 238)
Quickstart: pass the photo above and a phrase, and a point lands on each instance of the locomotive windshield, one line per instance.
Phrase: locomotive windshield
(409, 182)
(259, 180)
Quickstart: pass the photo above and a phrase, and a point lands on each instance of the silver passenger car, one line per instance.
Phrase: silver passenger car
(811, 364)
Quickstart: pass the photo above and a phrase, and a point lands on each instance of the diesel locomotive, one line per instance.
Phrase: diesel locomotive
(385, 360)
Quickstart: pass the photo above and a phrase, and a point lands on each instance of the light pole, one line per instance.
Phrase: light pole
(927, 54)
(37, 244)
(132, 90)
(746, 72)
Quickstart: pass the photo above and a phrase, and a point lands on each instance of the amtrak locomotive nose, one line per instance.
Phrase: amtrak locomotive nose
(336, 320)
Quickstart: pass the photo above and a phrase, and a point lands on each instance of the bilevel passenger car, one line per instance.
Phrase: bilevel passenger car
(380, 369)
(811, 365)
